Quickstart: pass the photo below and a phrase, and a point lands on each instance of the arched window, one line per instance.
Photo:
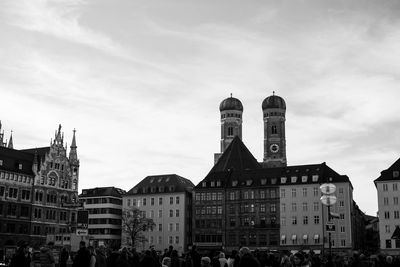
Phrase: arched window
(273, 129)
(230, 131)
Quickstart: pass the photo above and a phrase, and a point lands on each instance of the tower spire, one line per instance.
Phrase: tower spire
(10, 142)
(73, 156)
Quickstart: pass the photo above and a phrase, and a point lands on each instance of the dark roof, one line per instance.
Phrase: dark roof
(275, 176)
(389, 174)
(12, 158)
(166, 183)
(236, 157)
(273, 101)
(231, 103)
(41, 151)
(102, 191)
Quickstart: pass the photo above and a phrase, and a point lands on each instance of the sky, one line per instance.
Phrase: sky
(142, 80)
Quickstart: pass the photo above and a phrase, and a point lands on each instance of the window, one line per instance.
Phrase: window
(316, 191)
(315, 178)
(272, 208)
(2, 189)
(396, 214)
(1, 162)
(282, 193)
(283, 180)
(177, 227)
(262, 207)
(305, 206)
(283, 221)
(204, 184)
(385, 201)
(294, 220)
(304, 192)
(144, 201)
(340, 190)
(293, 192)
(343, 242)
(342, 229)
(388, 243)
(212, 184)
(395, 200)
(262, 194)
(283, 207)
(316, 219)
(395, 174)
(160, 201)
(170, 240)
(385, 187)
(218, 183)
(171, 200)
(304, 178)
(12, 192)
(176, 239)
(171, 213)
(159, 213)
(387, 228)
(152, 201)
(394, 187)
(177, 200)
(159, 240)
(160, 227)
(305, 219)
(294, 207)
(316, 206)
(316, 239)
(171, 226)
(177, 213)
(341, 203)
(293, 179)
(230, 131)
(273, 129)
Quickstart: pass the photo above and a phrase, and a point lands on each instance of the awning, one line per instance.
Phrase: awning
(316, 236)
(294, 237)
(305, 237)
(283, 237)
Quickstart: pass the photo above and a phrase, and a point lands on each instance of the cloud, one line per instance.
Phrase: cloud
(60, 19)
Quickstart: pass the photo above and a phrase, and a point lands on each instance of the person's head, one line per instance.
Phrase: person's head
(82, 244)
(243, 251)
(166, 261)
(205, 261)
(389, 259)
(298, 258)
(170, 248)
(91, 250)
(221, 255)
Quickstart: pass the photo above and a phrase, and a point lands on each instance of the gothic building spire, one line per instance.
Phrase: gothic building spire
(73, 156)
(10, 142)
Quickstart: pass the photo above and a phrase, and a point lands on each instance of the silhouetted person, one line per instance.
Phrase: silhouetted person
(82, 258)
(22, 257)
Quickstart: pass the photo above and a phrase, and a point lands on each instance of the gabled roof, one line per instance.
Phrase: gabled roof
(388, 174)
(167, 183)
(236, 157)
(102, 191)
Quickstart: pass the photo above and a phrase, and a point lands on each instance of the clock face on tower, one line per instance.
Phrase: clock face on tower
(274, 148)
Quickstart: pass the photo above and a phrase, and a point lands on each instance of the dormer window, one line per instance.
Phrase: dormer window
(1, 162)
(204, 184)
(212, 184)
(161, 189)
(283, 180)
(294, 179)
(218, 183)
(167, 179)
(249, 182)
(263, 181)
(151, 180)
(159, 180)
(304, 178)
(234, 183)
(315, 178)
(171, 188)
(395, 174)
(273, 181)
(20, 166)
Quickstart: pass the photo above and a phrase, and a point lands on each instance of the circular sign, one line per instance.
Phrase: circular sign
(327, 188)
(328, 200)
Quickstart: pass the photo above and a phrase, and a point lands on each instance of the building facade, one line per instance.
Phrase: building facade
(167, 200)
(33, 185)
(104, 205)
(242, 202)
(388, 189)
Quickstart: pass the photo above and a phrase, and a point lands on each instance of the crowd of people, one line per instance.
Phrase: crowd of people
(244, 257)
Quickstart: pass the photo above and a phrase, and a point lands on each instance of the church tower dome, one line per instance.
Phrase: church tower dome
(231, 110)
(274, 114)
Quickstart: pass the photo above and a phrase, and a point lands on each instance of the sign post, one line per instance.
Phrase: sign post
(82, 223)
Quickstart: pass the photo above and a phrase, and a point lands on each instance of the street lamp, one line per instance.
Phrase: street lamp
(328, 200)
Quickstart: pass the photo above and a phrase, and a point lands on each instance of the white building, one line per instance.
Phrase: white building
(388, 188)
(167, 200)
(105, 206)
(303, 218)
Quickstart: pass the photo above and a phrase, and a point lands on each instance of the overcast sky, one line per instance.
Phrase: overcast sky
(141, 81)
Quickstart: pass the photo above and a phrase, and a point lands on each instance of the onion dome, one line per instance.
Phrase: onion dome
(274, 101)
(231, 103)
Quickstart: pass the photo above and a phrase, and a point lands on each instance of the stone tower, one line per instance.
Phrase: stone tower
(231, 110)
(274, 109)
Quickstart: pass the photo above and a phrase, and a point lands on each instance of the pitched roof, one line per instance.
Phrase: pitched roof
(389, 174)
(166, 183)
(102, 191)
(12, 158)
(236, 157)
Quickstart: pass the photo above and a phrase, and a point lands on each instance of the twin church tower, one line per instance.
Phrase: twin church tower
(274, 109)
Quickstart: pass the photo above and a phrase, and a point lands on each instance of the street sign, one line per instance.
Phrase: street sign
(82, 225)
(83, 217)
(72, 205)
(81, 232)
(330, 227)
